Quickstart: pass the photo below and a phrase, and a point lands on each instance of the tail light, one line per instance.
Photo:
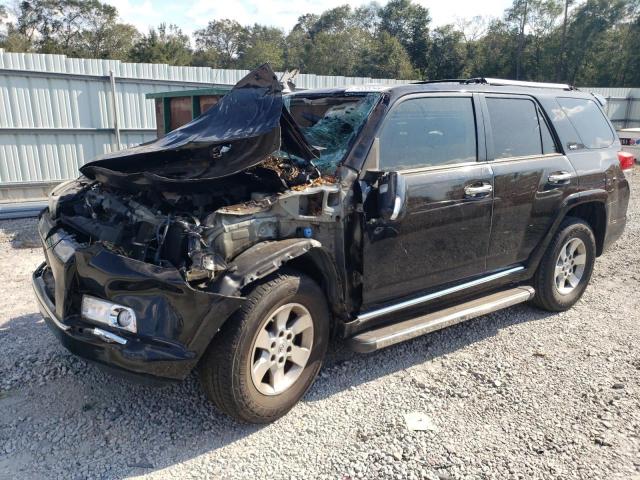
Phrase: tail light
(626, 160)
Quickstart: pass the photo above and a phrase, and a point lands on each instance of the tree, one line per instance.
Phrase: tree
(594, 42)
(518, 14)
(221, 40)
(542, 22)
(166, 44)
(495, 52)
(3, 18)
(409, 23)
(627, 71)
(81, 28)
(560, 66)
(333, 43)
(447, 53)
(471, 31)
(367, 17)
(262, 44)
(108, 40)
(338, 53)
(587, 34)
(387, 58)
(299, 42)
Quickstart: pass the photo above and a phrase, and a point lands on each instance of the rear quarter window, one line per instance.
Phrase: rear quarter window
(588, 120)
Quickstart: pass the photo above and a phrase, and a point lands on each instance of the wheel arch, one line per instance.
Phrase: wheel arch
(306, 256)
(594, 213)
(588, 205)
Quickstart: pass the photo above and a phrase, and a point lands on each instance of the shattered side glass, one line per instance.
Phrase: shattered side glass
(331, 123)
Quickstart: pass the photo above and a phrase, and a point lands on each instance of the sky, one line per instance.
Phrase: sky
(191, 15)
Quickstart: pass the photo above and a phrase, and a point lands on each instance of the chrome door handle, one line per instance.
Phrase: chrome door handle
(477, 190)
(558, 178)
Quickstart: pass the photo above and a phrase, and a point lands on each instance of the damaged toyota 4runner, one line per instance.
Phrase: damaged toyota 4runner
(242, 241)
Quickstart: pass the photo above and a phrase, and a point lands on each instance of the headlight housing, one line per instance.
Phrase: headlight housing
(56, 194)
(108, 313)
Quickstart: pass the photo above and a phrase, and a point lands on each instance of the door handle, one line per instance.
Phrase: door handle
(478, 190)
(559, 178)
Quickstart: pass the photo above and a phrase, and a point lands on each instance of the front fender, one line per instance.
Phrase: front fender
(261, 260)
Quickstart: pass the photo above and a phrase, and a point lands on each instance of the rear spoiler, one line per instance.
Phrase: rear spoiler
(600, 98)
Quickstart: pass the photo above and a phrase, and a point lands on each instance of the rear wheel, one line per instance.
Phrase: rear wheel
(566, 268)
(268, 354)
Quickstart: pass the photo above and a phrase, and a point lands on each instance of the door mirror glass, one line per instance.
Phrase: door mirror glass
(392, 196)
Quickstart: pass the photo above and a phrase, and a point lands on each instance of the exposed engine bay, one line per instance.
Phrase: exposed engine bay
(253, 168)
(197, 233)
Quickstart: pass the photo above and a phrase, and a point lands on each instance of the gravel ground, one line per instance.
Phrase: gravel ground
(517, 394)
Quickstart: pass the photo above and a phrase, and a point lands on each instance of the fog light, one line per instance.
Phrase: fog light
(108, 313)
(124, 318)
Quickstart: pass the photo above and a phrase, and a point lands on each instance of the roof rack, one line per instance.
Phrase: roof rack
(502, 82)
(520, 83)
(444, 80)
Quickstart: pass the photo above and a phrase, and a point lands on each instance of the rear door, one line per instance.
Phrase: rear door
(531, 176)
(432, 141)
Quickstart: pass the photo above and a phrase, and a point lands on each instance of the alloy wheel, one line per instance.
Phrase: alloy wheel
(570, 266)
(281, 349)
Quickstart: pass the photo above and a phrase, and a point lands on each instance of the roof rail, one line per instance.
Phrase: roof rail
(501, 82)
(519, 83)
(444, 80)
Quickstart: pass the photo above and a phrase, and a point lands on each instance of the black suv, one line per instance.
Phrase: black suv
(241, 242)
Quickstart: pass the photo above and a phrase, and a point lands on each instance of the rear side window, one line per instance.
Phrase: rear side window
(518, 129)
(588, 120)
(427, 132)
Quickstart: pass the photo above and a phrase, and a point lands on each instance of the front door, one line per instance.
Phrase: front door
(443, 237)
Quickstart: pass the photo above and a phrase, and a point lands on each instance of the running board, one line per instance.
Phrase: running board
(388, 335)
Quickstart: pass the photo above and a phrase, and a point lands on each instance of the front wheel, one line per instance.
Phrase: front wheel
(566, 268)
(267, 354)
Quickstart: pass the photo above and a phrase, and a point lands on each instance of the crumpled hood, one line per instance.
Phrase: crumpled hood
(240, 131)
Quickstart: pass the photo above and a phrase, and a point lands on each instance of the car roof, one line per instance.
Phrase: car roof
(474, 85)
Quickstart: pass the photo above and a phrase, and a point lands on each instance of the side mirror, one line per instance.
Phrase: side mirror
(392, 196)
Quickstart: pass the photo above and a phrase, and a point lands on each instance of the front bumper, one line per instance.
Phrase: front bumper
(175, 322)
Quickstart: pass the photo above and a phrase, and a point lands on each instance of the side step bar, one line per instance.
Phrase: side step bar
(388, 335)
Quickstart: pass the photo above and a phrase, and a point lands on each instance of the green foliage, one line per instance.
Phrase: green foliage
(447, 55)
(263, 45)
(409, 23)
(220, 42)
(387, 58)
(166, 44)
(595, 42)
(79, 28)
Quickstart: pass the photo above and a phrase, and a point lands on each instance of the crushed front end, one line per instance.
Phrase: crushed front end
(148, 252)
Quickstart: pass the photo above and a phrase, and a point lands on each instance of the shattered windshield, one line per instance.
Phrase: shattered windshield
(330, 123)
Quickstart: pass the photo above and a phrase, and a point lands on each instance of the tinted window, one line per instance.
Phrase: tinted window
(425, 132)
(515, 127)
(589, 121)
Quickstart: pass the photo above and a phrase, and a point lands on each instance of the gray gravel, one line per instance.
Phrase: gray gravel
(517, 394)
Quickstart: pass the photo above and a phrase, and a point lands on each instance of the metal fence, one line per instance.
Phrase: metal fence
(623, 105)
(57, 113)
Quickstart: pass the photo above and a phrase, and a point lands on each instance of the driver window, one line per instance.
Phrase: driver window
(427, 132)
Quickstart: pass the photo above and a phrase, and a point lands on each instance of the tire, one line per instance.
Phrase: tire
(552, 292)
(226, 370)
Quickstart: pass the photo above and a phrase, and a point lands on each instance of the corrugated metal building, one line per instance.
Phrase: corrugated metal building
(623, 105)
(57, 113)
